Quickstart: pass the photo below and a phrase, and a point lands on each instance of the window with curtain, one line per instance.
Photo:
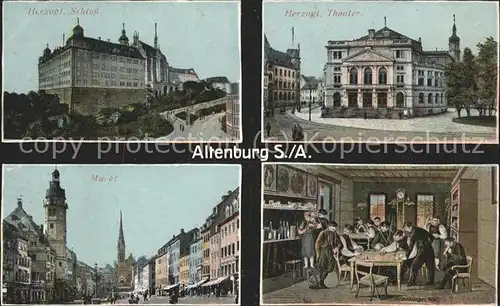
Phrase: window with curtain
(377, 206)
(425, 209)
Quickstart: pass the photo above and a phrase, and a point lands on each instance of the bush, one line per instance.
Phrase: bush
(153, 125)
(183, 116)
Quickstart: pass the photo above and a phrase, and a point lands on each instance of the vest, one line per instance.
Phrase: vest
(433, 229)
(348, 242)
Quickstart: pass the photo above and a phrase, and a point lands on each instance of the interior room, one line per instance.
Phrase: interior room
(461, 199)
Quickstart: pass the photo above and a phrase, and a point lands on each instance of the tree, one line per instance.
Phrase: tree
(487, 64)
(462, 85)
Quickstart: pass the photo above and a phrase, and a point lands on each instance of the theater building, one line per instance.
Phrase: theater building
(385, 74)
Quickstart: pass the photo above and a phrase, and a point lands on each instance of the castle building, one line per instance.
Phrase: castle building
(281, 76)
(89, 73)
(386, 74)
(125, 266)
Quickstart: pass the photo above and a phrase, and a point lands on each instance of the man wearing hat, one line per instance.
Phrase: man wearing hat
(327, 244)
(322, 219)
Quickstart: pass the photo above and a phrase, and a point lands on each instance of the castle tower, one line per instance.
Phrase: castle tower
(55, 222)
(454, 42)
(123, 39)
(295, 59)
(156, 36)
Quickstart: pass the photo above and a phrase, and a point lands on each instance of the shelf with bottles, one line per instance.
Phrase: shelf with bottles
(289, 205)
(282, 240)
(284, 230)
(270, 193)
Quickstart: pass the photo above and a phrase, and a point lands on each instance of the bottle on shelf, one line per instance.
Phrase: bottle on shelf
(271, 234)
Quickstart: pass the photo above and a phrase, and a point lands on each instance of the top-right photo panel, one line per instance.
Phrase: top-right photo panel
(380, 72)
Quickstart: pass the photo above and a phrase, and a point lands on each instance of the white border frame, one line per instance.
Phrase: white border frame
(194, 2)
(347, 166)
(239, 166)
(291, 2)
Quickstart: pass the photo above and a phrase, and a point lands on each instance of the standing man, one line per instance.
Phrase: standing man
(323, 219)
(454, 254)
(383, 237)
(268, 129)
(327, 244)
(439, 234)
(419, 242)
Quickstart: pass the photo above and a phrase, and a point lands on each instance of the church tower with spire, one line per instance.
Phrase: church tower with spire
(55, 222)
(454, 42)
(124, 267)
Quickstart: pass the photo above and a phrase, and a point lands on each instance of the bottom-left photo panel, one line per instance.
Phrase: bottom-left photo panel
(124, 234)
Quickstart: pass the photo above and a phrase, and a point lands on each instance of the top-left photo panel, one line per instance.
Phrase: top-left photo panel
(162, 71)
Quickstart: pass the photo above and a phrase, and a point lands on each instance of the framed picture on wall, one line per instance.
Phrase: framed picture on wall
(283, 179)
(270, 177)
(312, 186)
(298, 183)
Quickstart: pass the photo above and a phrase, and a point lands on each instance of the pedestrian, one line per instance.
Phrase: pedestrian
(294, 132)
(268, 129)
(145, 295)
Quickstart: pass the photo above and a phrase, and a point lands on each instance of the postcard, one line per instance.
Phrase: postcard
(125, 234)
(121, 71)
(339, 234)
(380, 71)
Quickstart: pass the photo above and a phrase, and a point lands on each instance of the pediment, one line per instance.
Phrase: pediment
(368, 56)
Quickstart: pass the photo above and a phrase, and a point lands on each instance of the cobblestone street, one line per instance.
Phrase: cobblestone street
(425, 129)
(300, 293)
(194, 300)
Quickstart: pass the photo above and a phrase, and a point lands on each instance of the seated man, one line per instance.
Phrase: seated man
(359, 227)
(454, 254)
(383, 237)
(350, 247)
(372, 230)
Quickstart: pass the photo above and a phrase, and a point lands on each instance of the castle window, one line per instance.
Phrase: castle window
(51, 225)
(52, 212)
(421, 98)
(429, 98)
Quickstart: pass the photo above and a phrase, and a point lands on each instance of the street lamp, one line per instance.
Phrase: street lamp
(270, 98)
(310, 101)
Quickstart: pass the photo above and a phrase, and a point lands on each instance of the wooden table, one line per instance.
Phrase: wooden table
(361, 236)
(378, 260)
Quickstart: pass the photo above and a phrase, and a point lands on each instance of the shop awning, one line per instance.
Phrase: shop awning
(220, 280)
(198, 284)
(171, 286)
(208, 283)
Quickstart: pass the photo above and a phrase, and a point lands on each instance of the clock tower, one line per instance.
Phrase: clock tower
(55, 223)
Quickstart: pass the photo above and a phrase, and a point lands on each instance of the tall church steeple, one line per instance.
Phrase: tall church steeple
(454, 42)
(156, 36)
(121, 241)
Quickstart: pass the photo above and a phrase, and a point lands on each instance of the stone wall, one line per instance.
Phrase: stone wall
(90, 100)
(377, 113)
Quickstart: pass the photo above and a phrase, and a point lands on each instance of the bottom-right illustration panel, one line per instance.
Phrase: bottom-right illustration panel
(356, 234)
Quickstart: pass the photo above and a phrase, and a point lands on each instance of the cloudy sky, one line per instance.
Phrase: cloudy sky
(203, 36)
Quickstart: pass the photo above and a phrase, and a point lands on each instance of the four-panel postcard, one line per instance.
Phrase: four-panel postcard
(250, 152)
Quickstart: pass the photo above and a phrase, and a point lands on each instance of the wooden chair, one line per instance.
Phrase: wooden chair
(462, 275)
(342, 270)
(370, 279)
(296, 267)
